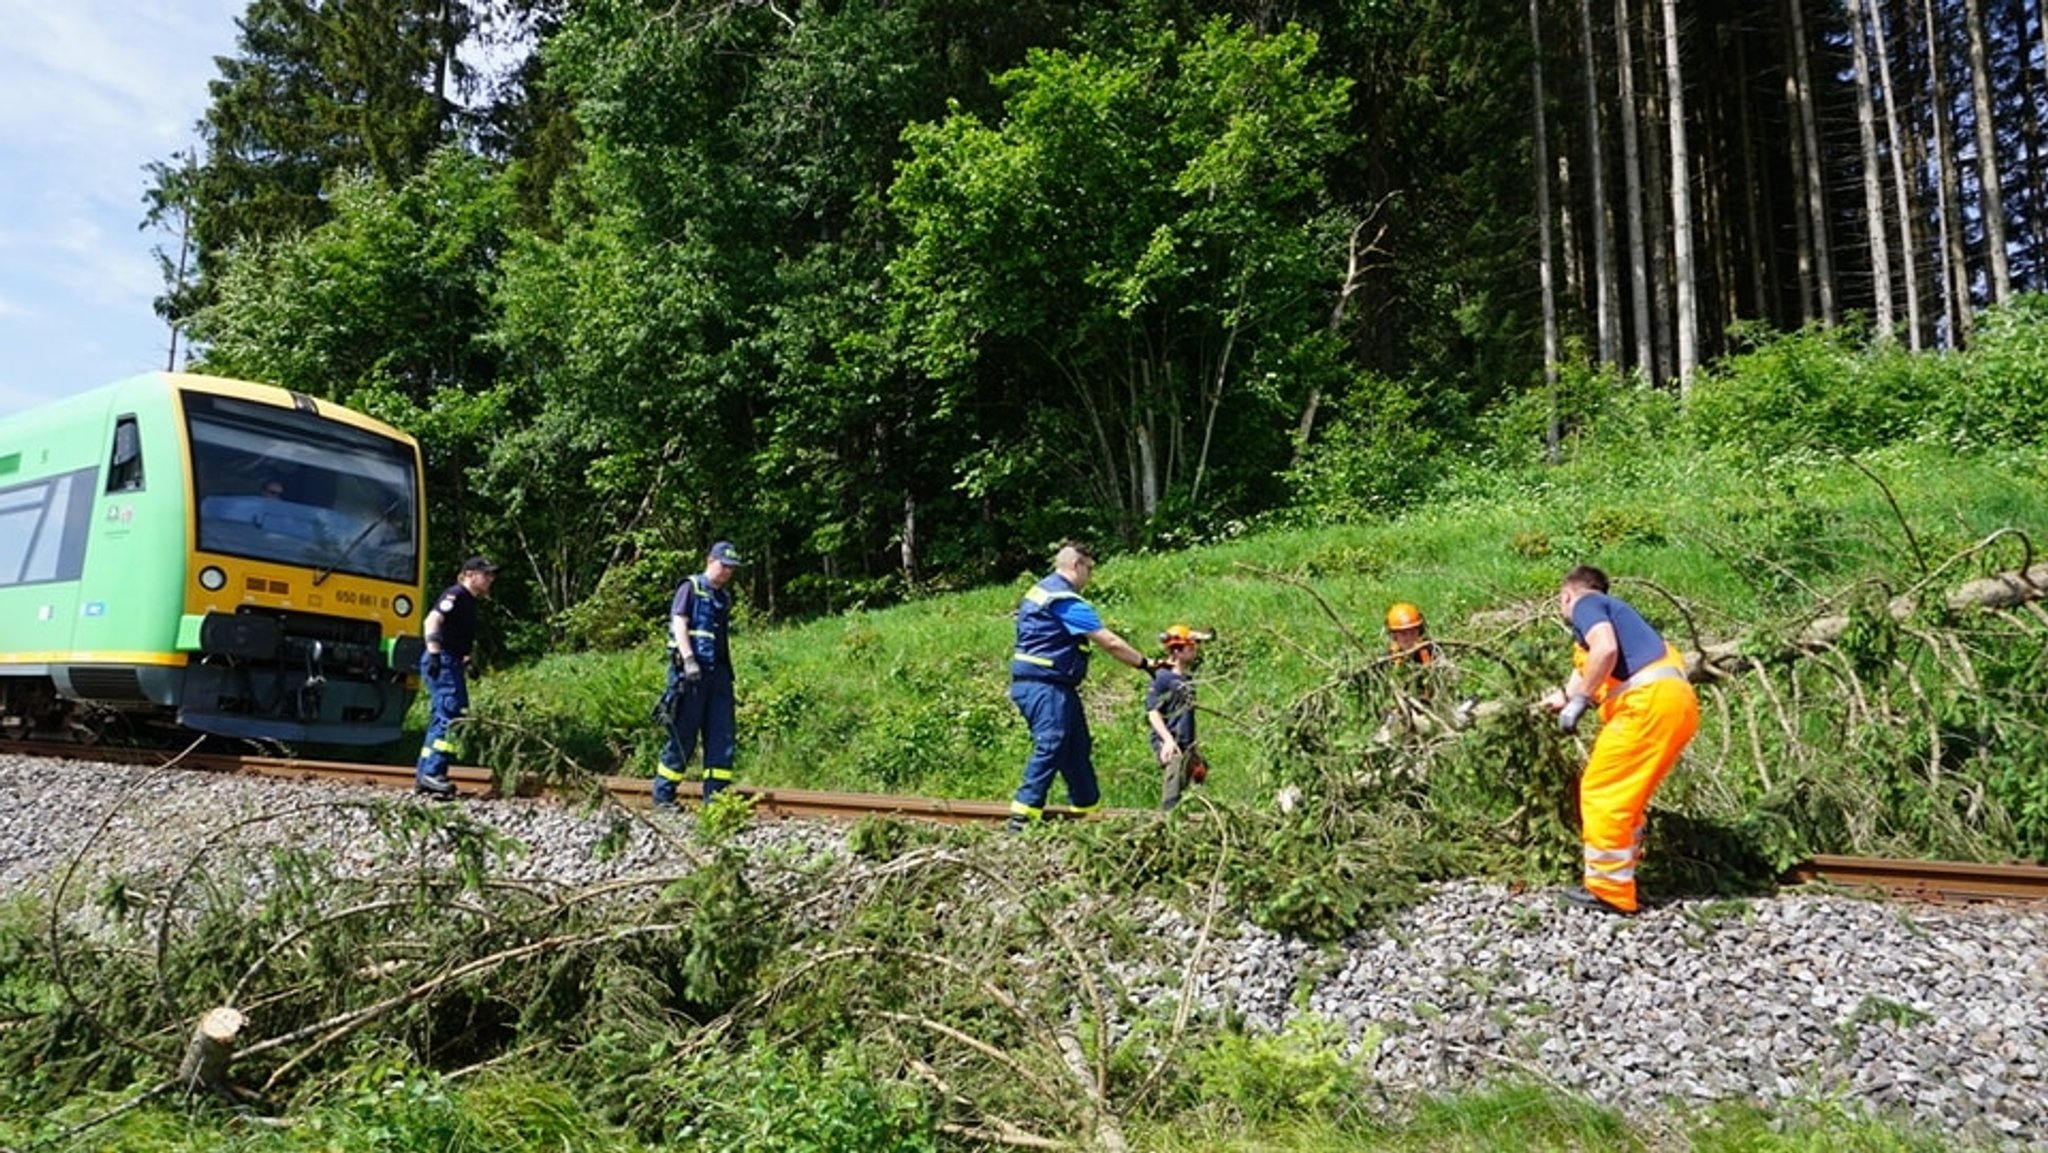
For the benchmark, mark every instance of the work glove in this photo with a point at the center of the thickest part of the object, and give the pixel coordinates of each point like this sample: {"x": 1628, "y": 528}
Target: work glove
{"x": 1568, "y": 720}
{"x": 433, "y": 666}
{"x": 692, "y": 671}
{"x": 1151, "y": 665}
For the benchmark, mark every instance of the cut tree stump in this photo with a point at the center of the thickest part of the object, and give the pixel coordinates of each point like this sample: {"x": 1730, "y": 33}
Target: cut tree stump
{"x": 211, "y": 1048}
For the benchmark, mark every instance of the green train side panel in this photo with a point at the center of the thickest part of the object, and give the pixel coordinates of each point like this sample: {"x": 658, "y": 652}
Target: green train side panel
{"x": 130, "y": 596}
{"x": 39, "y": 616}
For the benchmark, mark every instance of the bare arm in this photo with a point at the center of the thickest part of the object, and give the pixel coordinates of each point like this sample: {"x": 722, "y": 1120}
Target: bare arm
{"x": 1117, "y": 647}
{"x": 1157, "y": 720}
{"x": 1602, "y": 650}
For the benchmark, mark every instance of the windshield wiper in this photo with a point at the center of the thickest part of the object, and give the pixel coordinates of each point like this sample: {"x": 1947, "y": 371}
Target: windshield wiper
{"x": 380, "y": 519}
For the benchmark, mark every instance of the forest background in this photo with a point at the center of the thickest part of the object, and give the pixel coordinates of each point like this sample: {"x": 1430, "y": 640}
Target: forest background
{"x": 898, "y": 294}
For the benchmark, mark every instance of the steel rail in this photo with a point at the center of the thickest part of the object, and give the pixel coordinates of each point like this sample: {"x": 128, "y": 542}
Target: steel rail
{"x": 477, "y": 782}
{"x": 1939, "y": 881}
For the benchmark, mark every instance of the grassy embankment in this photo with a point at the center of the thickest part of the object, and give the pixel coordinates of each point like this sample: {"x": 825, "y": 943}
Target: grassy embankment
{"x": 912, "y": 698}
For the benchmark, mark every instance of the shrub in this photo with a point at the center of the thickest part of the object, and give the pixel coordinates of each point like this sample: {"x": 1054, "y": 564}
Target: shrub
{"x": 1301, "y": 1071}
{"x": 769, "y": 1099}
{"x": 1789, "y": 393}
{"x": 1997, "y": 397}
{"x": 1375, "y": 456}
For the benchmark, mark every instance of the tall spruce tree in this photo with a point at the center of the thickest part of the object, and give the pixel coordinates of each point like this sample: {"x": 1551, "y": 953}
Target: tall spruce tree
{"x": 315, "y": 88}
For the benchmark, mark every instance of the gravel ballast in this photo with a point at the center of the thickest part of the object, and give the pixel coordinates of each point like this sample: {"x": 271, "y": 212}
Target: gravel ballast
{"x": 1939, "y": 1013}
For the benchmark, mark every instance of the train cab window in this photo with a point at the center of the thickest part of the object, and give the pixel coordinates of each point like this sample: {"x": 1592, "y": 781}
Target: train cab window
{"x": 124, "y": 468}
{"x": 293, "y": 487}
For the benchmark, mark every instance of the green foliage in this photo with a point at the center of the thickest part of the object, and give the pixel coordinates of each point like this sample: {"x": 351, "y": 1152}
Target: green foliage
{"x": 1605, "y": 528}
{"x": 1820, "y": 1125}
{"x": 1321, "y": 874}
{"x": 310, "y": 96}
{"x": 390, "y": 1107}
{"x": 949, "y": 720}
{"x": 1813, "y": 390}
{"x": 1818, "y": 390}
{"x": 1308, "y": 1069}
{"x": 727, "y": 940}
{"x": 1537, "y": 1118}
{"x": 1376, "y": 455}
{"x": 1164, "y": 184}
{"x": 1993, "y": 396}
{"x": 728, "y": 814}
{"x": 779, "y": 1101}
{"x": 579, "y": 715}
{"x": 886, "y": 838}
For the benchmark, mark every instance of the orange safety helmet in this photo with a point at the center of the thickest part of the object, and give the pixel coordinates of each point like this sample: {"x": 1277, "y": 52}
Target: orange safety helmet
{"x": 1402, "y": 615}
{"x": 1183, "y": 637}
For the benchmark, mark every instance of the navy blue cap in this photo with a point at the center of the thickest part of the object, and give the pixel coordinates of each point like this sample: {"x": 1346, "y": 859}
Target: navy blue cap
{"x": 724, "y": 553}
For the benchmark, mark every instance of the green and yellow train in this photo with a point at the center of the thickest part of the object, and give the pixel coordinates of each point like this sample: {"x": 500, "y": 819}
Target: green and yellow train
{"x": 240, "y": 559}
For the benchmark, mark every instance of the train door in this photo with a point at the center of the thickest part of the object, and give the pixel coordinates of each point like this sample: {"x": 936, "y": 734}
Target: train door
{"x": 124, "y": 640}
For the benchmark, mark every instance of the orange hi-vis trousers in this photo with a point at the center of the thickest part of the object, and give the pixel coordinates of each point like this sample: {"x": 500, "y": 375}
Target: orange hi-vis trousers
{"x": 1644, "y": 725}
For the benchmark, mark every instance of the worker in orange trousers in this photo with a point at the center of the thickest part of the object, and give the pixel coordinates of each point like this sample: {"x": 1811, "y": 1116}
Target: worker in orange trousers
{"x": 1648, "y": 714}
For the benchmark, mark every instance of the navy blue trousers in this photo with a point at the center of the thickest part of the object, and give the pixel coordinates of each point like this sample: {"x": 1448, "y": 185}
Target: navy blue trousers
{"x": 448, "y": 699}
{"x": 1060, "y": 745}
{"x": 703, "y": 710}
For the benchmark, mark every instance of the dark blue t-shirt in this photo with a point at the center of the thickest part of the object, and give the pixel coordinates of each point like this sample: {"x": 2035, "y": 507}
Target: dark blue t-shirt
{"x": 1172, "y": 696}
{"x": 1639, "y": 643}
{"x": 457, "y": 607}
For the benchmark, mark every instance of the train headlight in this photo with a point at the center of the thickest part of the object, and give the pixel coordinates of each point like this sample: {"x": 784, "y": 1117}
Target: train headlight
{"x": 212, "y": 579}
{"x": 402, "y": 605}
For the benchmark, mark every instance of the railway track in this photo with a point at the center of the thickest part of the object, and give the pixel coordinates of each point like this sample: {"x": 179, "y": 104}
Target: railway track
{"x": 471, "y": 781}
{"x": 1944, "y": 881}
{"x": 1937, "y": 881}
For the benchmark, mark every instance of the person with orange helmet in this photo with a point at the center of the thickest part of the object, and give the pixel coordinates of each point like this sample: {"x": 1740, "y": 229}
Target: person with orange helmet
{"x": 1407, "y": 635}
{"x": 1409, "y": 647}
{"x": 1170, "y": 711}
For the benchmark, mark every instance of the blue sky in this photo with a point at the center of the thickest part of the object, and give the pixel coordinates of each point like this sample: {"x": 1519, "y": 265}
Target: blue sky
{"x": 90, "y": 91}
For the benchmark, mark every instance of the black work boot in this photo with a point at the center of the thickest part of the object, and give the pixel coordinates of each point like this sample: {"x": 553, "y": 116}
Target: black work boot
{"x": 439, "y": 788}
{"x": 1579, "y": 897}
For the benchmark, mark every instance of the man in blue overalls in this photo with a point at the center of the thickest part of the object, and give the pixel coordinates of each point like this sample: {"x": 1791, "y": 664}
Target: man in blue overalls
{"x": 450, "y": 630}
{"x": 700, "y": 677}
{"x": 1054, "y": 630}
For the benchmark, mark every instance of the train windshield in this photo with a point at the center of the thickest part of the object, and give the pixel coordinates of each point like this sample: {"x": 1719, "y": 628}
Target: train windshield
{"x": 293, "y": 487}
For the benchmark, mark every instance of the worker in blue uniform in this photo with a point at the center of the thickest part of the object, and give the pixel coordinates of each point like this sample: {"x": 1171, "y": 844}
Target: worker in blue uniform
{"x": 450, "y": 631}
{"x": 700, "y": 684}
{"x": 1055, "y": 630}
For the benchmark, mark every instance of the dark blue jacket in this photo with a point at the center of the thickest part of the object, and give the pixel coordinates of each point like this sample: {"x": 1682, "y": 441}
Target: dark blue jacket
{"x": 708, "y": 611}
{"x": 1046, "y": 651}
